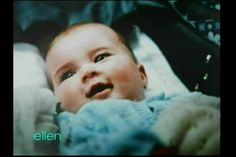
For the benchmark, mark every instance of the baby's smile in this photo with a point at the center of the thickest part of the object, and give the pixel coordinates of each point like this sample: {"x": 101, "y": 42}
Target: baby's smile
{"x": 99, "y": 90}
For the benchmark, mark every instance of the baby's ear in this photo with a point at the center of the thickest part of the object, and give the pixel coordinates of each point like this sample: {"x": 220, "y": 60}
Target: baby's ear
{"x": 143, "y": 75}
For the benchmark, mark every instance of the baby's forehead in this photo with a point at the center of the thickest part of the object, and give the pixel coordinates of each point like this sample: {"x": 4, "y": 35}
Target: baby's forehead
{"x": 94, "y": 27}
{"x": 87, "y": 35}
{"x": 82, "y": 33}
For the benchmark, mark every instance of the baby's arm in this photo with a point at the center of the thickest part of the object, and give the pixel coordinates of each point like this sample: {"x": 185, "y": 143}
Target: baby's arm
{"x": 191, "y": 123}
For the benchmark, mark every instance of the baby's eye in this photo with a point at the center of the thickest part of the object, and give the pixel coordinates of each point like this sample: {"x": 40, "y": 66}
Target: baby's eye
{"x": 101, "y": 57}
{"x": 66, "y": 75}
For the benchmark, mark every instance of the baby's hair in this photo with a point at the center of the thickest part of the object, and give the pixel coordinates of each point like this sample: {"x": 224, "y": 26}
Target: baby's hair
{"x": 74, "y": 26}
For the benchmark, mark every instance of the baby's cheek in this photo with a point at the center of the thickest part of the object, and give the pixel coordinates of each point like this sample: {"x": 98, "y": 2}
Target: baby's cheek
{"x": 65, "y": 96}
{"x": 121, "y": 72}
{"x": 124, "y": 74}
{"x": 72, "y": 97}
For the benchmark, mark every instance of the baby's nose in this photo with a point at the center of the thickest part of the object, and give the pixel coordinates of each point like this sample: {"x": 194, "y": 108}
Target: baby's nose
{"x": 88, "y": 73}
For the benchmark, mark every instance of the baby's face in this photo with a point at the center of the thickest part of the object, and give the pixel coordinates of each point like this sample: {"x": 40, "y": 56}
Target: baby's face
{"x": 91, "y": 63}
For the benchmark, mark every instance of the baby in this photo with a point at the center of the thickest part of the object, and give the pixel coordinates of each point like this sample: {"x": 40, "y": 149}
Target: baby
{"x": 91, "y": 61}
{"x": 101, "y": 87}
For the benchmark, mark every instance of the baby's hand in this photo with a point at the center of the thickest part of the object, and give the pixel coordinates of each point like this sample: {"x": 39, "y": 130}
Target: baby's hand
{"x": 192, "y": 124}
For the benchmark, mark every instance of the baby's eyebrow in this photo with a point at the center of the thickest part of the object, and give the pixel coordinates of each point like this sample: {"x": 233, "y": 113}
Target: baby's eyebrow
{"x": 61, "y": 68}
{"x": 91, "y": 52}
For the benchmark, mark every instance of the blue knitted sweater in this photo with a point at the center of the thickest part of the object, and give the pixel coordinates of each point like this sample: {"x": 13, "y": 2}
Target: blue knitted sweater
{"x": 112, "y": 127}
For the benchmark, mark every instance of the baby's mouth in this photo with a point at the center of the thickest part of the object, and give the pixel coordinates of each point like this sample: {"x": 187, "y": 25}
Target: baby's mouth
{"x": 97, "y": 88}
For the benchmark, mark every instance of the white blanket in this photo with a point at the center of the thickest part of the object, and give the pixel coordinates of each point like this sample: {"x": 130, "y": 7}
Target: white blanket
{"x": 33, "y": 112}
{"x": 34, "y": 102}
{"x": 192, "y": 125}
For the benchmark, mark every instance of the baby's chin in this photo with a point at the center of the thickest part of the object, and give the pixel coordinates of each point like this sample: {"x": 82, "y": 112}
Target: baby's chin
{"x": 127, "y": 96}
{"x": 75, "y": 109}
